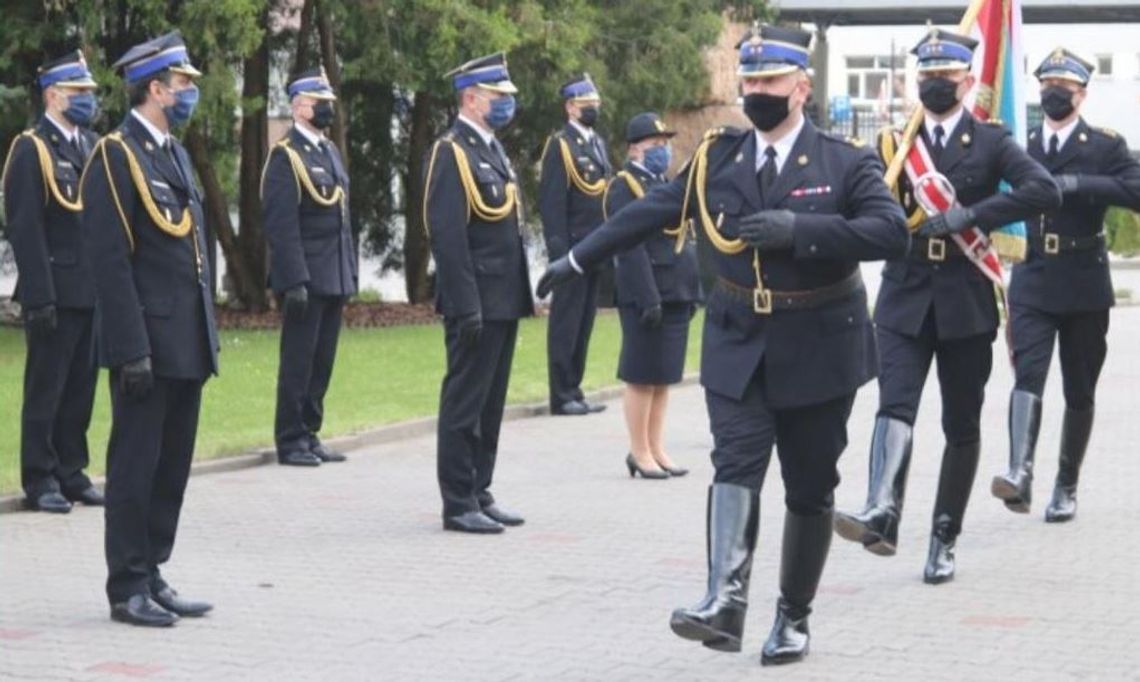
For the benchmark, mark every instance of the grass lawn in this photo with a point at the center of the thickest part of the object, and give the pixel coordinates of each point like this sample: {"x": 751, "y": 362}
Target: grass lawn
{"x": 382, "y": 376}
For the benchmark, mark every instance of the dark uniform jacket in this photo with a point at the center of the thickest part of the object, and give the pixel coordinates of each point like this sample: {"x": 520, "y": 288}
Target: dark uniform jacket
{"x": 844, "y": 215}
{"x": 976, "y": 158}
{"x": 480, "y": 259}
{"x": 1071, "y": 280}
{"x": 568, "y": 212}
{"x": 653, "y": 272}
{"x": 145, "y": 230}
{"x": 307, "y": 220}
{"x": 44, "y": 216}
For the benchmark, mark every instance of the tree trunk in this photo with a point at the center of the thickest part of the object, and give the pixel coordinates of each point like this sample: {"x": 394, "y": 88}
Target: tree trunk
{"x": 416, "y": 247}
{"x": 301, "y": 59}
{"x": 254, "y": 149}
{"x": 218, "y": 217}
{"x": 332, "y": 69}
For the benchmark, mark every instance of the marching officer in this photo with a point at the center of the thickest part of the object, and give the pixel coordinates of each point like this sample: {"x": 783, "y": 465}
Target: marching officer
{"x": 55, "y": 288}
{"x": 312, "y": 265}
{"x": 575, "y": 167}
{"x": 657, "y": 293}
{"x": 146, "y": 231}
{"x": 789, "y": 211}
{"x": 936, "y": 302}
{"x": 473, "y": 216}
{"x": 1063, "y": 291}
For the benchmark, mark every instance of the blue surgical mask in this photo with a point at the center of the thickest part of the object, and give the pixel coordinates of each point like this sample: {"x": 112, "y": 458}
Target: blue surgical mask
{"x": 183, "y": 108}
{"x": 81, "y": 108}
{"x": 657, "y": 158}
{"x": 502, "y": 112}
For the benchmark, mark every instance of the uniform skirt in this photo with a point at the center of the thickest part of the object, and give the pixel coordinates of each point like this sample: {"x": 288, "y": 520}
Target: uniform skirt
{"x": 654, "y": 356}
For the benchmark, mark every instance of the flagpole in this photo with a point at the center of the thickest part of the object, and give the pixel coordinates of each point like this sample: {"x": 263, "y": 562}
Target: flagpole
{"x": 892, "y": 175}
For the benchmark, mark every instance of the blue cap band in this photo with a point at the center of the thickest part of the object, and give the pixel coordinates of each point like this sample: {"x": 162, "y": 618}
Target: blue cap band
{"x": 491, "y": 75}
{"x": 74, "y": 71}
{"x": 944, "y": 50}
{"x": 757, "y": 55}
{"x": 303, "y": 85}
{"x": 156, "y": 63}
{"x": 581, "y": 88}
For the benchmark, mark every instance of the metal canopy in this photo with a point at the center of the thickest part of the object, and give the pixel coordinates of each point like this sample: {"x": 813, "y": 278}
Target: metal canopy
{"x": 879, "y": 13}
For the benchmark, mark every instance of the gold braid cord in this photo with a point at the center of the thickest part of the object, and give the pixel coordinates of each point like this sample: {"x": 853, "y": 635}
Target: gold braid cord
{"x": 47, "y": 168}
{"x": 302, "y": 175}
{"x": 634, "y": 186}
{"x": 164, "y": 222}
{"x": 887, "y": 149}
{"x": 475, "y": 203}
{"x": 589, "y": 189}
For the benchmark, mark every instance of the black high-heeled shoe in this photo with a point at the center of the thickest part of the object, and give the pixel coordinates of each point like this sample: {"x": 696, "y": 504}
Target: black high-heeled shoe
{"x": 634, "y": 469}
{"x": 674, "y": 471}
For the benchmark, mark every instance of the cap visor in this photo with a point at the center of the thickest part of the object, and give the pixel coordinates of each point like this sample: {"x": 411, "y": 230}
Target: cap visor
{"x": 326, "y": 95}
{"x": 504, "y": 87}
{"x": 186, "y": 70}
{"x": 767, "y": 71}
{"x": 1062, "y": 75}
{"x": 85, "y": 84}
{"x": 943, "y": 66}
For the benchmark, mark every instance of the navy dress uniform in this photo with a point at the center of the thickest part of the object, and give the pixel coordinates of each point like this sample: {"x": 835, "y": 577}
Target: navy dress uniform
{"x": 787, "y": 337}
{"x": 473, "y": 216}
{"x": 651, "y": 277}
{"x": 55, "y": 289}
{"x": 304, "y": 203}
{"x": 1063, "y": 291}
{"x": 146, "y": 232}
{"x": 935, "y": 303}
{"x": 575, "y": 168}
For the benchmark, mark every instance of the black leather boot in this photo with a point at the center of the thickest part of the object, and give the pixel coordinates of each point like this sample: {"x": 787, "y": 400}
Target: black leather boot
{"x": 1075, "y": 432}
{"x": 733, "y": 519}
{"x": 806, "y": 541}
{"x": 1015, "y": 487}
{"x": 877, "y": 526}
{"x": 959, "y": 464}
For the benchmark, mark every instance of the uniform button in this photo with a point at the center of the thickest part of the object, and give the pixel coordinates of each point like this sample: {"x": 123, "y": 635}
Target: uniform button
{"x": 812, "y": 248}
{"x": 850, "y": 320}
{"x": 936, "y": 266}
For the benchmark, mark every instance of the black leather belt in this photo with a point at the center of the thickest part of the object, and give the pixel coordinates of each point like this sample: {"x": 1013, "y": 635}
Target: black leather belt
{"x": 1051, "y": 243}
{"x": 934, "y": 249}
{"x": 764, "y": 301}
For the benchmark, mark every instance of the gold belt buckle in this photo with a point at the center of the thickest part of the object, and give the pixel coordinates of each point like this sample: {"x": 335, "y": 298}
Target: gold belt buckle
{"x": 762, "y": 301}
{"x": 1052, "y": 243}
{"x": 936, "y": 249}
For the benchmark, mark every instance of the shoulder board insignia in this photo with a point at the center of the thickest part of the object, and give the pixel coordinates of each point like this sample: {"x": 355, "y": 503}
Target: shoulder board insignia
{"x": 1033, "y": 135}
{"x": 994, "y": 122}
{"x": 1108, "y": 132}
{"x": 855, "y": 141}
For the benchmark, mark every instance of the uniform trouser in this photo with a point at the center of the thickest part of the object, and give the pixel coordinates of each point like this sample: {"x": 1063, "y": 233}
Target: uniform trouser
{"x": 963, "y": 369}
{"x": 59, "y": 389}
{"x": 808, "y": 441}
{"x": 148, "y": 462}
{"x": 1081, "y": 338}
{"x": 308, "y": 351}
{"x": 572, "y": 309}
{"x": 471, "y": 402}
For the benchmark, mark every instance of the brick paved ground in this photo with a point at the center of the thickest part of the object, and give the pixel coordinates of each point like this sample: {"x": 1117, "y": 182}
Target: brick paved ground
{"x": 343, "y": 573}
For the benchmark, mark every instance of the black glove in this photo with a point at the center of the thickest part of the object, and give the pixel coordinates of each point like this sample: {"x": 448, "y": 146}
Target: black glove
{"x": 42, "y": 319}
{"x": 558, "y": 272}
{"x": 470, "y": 328}
{"x": 296, "y": 300}
{"x": 769, "y": 230}
{"x": 1069, "y": 183}
{"x": 650, "y": 317}
{"x": 951, "y": 221}
{"x": 136, "y": 378}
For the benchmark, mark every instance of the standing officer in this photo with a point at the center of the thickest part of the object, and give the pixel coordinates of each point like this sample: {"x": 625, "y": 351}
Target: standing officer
{"x": 936, "y": 302}
{"x": 575, "y": 166}
{"x": 1064, "y": 290}
{"x": 146, "y": 232}
{"x": 657, "y": 293}
{"x": 789, "y": 211}
{"x": 312, "y": 265}
{"x": 41, "y": 197}
{"x": 473, "y": 218}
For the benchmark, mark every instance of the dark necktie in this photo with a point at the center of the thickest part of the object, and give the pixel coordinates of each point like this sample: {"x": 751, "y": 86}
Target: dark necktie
{"x": 501, "y": 153}
{"x": 936, "y": 148}
{"x": 767, "y": 174}
{"x": 597, "y": 145}
{"x": 1053, "y": 146}
{"x": 77, "y": 146}
{"x": 169, "y": 147}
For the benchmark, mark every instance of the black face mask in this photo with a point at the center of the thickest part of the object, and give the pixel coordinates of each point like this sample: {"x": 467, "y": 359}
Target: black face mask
{"x": 323, "y": 114}
{"x": 1057, "y": 102}
{"x": 588, "y": 116}
{"x": 766, "y": 111}
{"x": 938, "y": 94}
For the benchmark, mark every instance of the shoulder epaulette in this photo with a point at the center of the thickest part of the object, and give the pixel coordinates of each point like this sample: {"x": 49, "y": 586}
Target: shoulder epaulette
{"x": 993, "y": 122}
{"x": 1107, "y": 132}
{"x": 722, "y": 131}
{"x": 848, "y": 139}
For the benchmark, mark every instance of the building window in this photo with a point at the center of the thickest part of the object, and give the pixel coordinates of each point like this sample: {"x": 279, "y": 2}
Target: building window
{"x": 868, "y": 76}
{"x": 1104, "y": 65}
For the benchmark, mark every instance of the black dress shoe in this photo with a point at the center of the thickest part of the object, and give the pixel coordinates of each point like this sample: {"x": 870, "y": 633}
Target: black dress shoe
{"x": 326, "y": 455}
{"x": 472, "y": 522}
{"x": 503, "y": 516}
{"x": 571, "y": 407}
{"x": 168, "y": 599}
{"x": 140, "y": 610}
{"x": 635, "y": 468}
{"x": 594, "y": 407}
{"x": 90, "y": 497}
{"x": 52, "y": 502}
{"x": 298, "y": 458}
{"x": 676, "y": 472}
